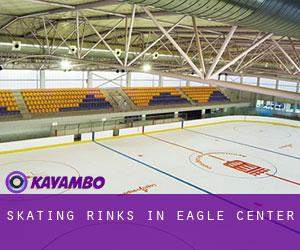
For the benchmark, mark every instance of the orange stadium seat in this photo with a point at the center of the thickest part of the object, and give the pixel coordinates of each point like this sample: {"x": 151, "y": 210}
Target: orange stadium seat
{"x": 64, "y": 100}
{"x": 8, "y": 105}
{"x": 151, "y": 96}
{"x": 204, "y": 94}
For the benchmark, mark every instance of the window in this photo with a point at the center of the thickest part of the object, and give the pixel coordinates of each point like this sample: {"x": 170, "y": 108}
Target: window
{"x": 249, "y": 80}
{"x": 109, "y": 79}
{"x": 236, "y": 79}
{"x": 288, "y": 86}
{"x": 19, "y": 79}
{"x": 267, "y": 83}
{"x": 61, "y": 79}
{"x": 195, "y": 84}
{"x": 144, "y": 80}
{"x": 173, "y": 82}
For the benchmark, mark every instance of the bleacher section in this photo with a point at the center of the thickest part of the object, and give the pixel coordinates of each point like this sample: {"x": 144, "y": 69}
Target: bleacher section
{"x": 64, "y": 100}
{"x": 39, "y": 101}
{"x": 152, "y": 96}
{"x": 8, "y": 105}
{"x": 204, "y": 94}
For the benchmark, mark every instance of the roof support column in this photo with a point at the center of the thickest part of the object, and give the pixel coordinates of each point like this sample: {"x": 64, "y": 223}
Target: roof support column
{"x": 160, "y": 81}
{"x": 128, "y": 79}
{"x": 42, "y": 79}
{"x": 89, "y": 79}
{"x": 277, "y": 84}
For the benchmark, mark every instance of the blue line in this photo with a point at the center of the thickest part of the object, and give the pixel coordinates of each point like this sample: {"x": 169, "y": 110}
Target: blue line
{"x": 192, "y": 185}
{"x": 243, "y": 144}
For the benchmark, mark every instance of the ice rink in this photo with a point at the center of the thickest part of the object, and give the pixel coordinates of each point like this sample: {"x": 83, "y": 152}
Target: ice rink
{"x": 229, "y": 158}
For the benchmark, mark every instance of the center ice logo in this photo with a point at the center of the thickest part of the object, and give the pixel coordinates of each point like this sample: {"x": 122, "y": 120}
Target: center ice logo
{"x": 17, "y": 182}
{"x": 233, "y": 164}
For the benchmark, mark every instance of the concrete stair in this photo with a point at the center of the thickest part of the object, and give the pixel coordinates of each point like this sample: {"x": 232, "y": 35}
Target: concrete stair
{"x": 186, "y": 97}
{"x": 119, "y": 99}
{"x": 107, "y": 94}
{"x": 21, "y": 104}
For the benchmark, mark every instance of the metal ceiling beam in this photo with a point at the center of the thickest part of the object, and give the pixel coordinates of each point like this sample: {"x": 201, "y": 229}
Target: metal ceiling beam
{"x": 294, "y": 48}
{"x": 100, "y": 40}
{"x": 266, "y": 37}
{"x": 110, "y": 16}
{"x": 51, "y": 3}
{"x": 106, "y": 44}
{"x": 78, "y": 7}
{"x": 199, "y": 47}
{"x": 274, "y": 16}
{"x": 242, "y": 38}
{"x": 280, "y": 62}
{"x": 154, "y": 43}
{"x": 221, "y": 51}
{"x": 286, "y": 54}
{"x": 128, "y": 41}
{"x": 8, "y": 23}
{"x": 257, "y": 57}
{"x": 244, "y": 57}
{"x": 170, "y": 38}
{"x": 7, "y": 15}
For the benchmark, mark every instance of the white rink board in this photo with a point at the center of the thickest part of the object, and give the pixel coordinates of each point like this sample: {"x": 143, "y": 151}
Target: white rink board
{"x": 130, "y": 131}
{"x": 103, "y": 134}
{"x": 159, "y": 127}
{"x": 86, "y": 137}
{"x": 16, "y": 145}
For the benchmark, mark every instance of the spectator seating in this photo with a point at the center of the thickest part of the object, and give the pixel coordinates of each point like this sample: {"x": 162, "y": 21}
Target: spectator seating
{"x": 152, "y": 96}
{"x": 64, "y": 100}
{"x": 83, "y": 99}
{"x": 204, "y": 94}
{"x": 8, "y": 105}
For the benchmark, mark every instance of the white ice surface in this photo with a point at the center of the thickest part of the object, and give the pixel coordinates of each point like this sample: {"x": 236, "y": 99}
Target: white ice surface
{"x": 172, "y": 168}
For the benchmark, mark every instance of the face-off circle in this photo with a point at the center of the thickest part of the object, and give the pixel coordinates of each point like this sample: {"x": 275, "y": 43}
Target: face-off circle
{"x": 235, "y": 165}
{"x": 263, "y": 131}
{"x": 16, "y": 182}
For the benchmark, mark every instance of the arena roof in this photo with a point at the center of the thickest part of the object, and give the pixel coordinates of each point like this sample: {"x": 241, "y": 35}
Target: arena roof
{"x": 101, "y": 34}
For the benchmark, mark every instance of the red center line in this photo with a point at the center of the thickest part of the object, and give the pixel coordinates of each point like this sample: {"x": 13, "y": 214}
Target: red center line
{"x": 283, "y": 179}
{"x": 178, "y": 145}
